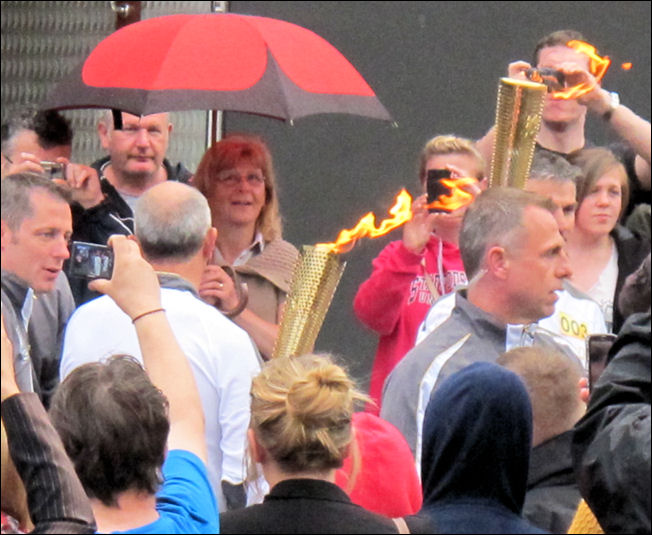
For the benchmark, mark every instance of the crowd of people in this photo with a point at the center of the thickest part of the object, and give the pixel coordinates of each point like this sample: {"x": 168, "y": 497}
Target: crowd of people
{"x": 166, "y": 412}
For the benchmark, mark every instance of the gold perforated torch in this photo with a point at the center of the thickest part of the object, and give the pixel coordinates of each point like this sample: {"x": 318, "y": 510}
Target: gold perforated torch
{"x": 314, "y": 281}
{"x": 518, "y": 119}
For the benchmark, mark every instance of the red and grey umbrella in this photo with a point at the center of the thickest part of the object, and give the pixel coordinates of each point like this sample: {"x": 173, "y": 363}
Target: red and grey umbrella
{"x": 217, "y": 62}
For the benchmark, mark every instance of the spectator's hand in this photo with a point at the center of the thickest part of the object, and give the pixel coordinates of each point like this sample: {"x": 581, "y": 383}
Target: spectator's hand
{"x": 8, "y": 378}
{"x": 575, "y": 74}
{"x": 134, "y": 285}
{"x": 416, "y": 232}
{"x": 517, "y": 69}
{"x": 25, "y": 162}
{"x": 597, "y": 99}
{"x": 456, "y": 172}
{"x": 218, "y": 289}
{"x": 83, "y": 182}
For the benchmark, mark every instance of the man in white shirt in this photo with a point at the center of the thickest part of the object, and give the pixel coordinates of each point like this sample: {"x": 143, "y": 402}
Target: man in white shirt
{"x": 172, "y": 223}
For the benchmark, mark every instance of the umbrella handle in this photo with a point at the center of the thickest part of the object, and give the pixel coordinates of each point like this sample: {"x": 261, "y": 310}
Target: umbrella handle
{"x": 117, "y": 119}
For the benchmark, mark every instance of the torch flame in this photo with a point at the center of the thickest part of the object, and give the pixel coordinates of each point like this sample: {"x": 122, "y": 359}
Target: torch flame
{"x": 626, "y": 66}
{"x": 401, "y": 212}
{"x": 457, "y": 198}
{"x": 597, "y": 67}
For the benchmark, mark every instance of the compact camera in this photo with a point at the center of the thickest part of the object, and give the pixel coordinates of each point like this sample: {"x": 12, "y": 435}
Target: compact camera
{"x": 555, "y": 80}
{"x": 54, "y": 169}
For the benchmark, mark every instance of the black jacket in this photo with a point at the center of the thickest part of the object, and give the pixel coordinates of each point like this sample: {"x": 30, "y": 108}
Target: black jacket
{"x": 310, "y": 506}
{"x": 632, "y": 250}
{"x": 611, "y": 443}
{"x": 552, "y": 495}
{"x": 111, "y": 216}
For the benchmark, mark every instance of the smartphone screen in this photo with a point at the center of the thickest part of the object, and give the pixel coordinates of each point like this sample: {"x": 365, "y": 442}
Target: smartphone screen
{"x": 435, "y": 188}
{"x": 597, "y": 350}
{"x": 90, "y": 261}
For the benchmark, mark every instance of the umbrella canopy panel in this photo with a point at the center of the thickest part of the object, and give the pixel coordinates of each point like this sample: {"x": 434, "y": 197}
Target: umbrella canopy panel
{"x": 218, "y": 61}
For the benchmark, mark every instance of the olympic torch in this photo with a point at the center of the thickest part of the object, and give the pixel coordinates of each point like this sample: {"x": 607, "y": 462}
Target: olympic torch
{"x": 314, "y": 281}
{"x": 518, "y": 119}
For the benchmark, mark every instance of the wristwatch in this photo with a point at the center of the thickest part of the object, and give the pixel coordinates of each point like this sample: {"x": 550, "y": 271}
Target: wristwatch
{"x": 614, "y": 102}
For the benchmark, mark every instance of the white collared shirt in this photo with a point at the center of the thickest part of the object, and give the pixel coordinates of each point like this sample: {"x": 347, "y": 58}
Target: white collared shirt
{"x": 254, "y": 249}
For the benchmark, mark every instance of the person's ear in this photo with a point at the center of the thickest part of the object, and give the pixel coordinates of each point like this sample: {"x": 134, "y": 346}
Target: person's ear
{"x": 258, "y": 453}
{"x": 6, "y": 234}
{"x": 105, "y": 135}
{"x": 6, "y": 164}
{"x": 497, "y": 262}
{"x": 209, "y": 243}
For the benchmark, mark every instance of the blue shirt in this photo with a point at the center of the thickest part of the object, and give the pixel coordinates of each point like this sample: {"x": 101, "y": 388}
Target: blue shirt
{"x": 185, "y": 502}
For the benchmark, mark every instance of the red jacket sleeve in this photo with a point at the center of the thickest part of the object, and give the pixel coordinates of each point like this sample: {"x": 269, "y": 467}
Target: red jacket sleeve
{"x": 378, "y": 301}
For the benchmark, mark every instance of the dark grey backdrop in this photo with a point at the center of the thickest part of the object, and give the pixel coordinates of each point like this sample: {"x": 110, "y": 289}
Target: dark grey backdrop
{"x": 435, "y": 66}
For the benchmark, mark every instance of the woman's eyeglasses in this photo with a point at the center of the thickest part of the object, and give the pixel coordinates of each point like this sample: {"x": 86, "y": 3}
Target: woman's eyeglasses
{"x": 232, "y": 178}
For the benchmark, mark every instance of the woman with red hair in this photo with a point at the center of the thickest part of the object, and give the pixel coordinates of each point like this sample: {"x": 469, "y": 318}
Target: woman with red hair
{"x": 236, "y": 175}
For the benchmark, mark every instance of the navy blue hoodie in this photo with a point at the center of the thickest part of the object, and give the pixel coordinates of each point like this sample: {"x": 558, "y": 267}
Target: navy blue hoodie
{"x": 477, "y": 435}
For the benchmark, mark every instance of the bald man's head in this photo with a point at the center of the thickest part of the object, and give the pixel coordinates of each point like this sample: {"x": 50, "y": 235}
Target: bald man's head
{"x": 171, "y": 221}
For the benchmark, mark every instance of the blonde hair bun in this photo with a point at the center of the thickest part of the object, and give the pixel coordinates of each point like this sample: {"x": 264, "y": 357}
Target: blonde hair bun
{"x": 321, "y": 398}
{"x": 301, "y": 410}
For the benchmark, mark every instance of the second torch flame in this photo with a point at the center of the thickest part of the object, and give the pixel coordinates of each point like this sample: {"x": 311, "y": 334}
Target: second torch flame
{"x": 401, "y": 212}
{"x": 597, "y": 67}
{"x": 457, "y": 198}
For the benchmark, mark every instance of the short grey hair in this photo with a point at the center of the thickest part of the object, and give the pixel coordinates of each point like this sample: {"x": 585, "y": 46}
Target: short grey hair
{"x": 106, "y": 117}
{"x": 171, "y": 226}
{"x": 16, "y": 196}
{"x": 547, "y": 165}
{"x": 494, "y": 219}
